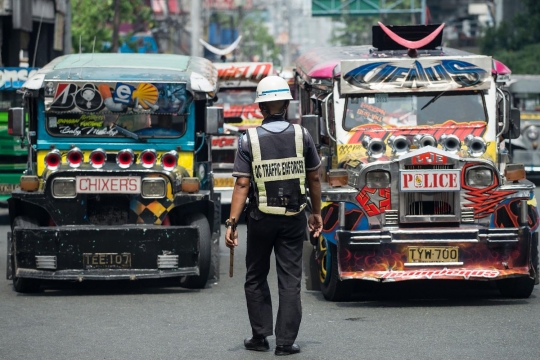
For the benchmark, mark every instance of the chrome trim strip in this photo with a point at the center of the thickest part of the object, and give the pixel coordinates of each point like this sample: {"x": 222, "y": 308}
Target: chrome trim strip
{"x": 434, "y": 264}
{"x": 366, "y": 243}
{"x": 502, "y": 241}
{"x": 367, "y": 237}
{"x": 46, "y": 262}
{"x": 429, "y": 242}
{"x": 167, "y": 261}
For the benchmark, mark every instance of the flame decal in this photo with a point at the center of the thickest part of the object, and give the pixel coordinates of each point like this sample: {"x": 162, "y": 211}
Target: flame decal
{"x": 461, "y": 130}
{"x": 483, "y": 200}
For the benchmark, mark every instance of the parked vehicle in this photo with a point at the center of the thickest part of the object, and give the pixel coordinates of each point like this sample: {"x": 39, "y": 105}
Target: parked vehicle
{"x": 119, "y": 185}
{"x": 237, "y": 85}
{"x": 416, "y": 179}
{"x": 13, "y": 155}
{"x": 525, "y": 90}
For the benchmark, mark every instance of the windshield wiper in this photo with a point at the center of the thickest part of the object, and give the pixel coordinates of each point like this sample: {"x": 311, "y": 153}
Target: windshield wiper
{"x": 127, "y": 133}
{"x": 433, "y": 100}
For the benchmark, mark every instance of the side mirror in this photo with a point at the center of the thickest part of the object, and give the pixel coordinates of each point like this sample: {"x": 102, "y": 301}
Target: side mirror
{"x": 293, "y": 111}
{"x": 514, "y": 129}
{"x": 214, "y": 120}
{"x": 16, "y": 121}
{"x": 312, "y": 125}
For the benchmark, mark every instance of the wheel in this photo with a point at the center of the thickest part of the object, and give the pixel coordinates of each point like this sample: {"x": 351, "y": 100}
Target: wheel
{"x": 311, "y": 269}
{"x": 332, "y": 287}
{"x": 23, "y": 285}
{"x": 517, "y": 288}
{"x": 534, "y": 258}
{"x": 522, "y": 287}
{"x": 205, "y": 253}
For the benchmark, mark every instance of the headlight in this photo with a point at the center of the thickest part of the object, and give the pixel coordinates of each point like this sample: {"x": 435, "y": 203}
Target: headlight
{"x": 479, "y": 177}
{"x": 532, "y": 133}
{"x": 378, "y": 179}
{"x": 64, "y": 188}
{"x": 202, "y": 171}
{"x": 153, "y": 188}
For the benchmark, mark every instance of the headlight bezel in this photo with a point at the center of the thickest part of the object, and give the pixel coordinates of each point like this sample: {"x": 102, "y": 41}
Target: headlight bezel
{"x": 153, "y": 182}
{"x": 378, "y": 183}
{"x": 532, "y": 130}
{"x": 477, "y": 183}
{"x": 70, "y": 181}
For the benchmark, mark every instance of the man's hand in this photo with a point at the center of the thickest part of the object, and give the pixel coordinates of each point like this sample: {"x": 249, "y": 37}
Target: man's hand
{"x": 231, "y": 240}
{"x": 315, "y": 224}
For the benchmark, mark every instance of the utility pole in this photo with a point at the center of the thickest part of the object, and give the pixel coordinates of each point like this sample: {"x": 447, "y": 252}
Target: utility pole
{"x": 116, "y": 26}
{"x": 195, "y": 27}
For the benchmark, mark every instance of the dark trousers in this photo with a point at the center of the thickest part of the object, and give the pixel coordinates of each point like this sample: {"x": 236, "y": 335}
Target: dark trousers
{"x": 285, "y": 235}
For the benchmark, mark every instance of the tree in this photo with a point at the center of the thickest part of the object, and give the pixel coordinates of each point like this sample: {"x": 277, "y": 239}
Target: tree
{"x": 94, "y": 19}
{"x": 516, "y": 42}
{"x": 356, "y": 30}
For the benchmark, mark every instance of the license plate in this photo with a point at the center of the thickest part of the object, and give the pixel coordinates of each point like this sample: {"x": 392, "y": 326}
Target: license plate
{"x": 108, "y": 184}
{"x": 7, "y": 188}
{"x": 424, "y": 180}
{"x": 224, "y": 182}
{"x": 107, "y": 261}
{"x": 421, "y": 254}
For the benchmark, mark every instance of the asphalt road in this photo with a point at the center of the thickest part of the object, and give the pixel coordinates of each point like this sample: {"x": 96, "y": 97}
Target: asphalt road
{"x": 149, "y": 320}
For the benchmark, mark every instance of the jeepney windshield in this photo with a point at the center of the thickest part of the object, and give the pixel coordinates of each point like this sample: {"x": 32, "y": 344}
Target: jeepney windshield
{"x": 414, "y": 109}
{"x": 103, "y": 125}
{"x": 236, "y": 97}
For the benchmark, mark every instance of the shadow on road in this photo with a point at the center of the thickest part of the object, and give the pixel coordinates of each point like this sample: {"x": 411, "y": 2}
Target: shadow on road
{"x": 116, "y": 287}
{"x": 424, "y": 294}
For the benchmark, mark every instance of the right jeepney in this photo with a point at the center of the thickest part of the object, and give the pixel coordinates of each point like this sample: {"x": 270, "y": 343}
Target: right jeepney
{"x": 416, "y": 182}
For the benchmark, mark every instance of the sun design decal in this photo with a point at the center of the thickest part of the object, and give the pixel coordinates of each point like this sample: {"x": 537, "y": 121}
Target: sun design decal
{"x": 374, "y": 201}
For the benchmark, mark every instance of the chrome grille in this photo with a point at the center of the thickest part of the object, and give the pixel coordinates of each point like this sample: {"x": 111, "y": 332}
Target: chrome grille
{"x": 428, "y": 167}
{"x": 425, "y": 203}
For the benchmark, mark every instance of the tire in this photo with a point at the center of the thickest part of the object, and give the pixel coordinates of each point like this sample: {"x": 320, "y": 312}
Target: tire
{"x": 333, "y": 289}
{"x": 311, "y": 270}
{"x": 205, "y": 253}
{"x": 23, "y": 285}
{"x": 522, "y": 287}
{"x": 534, "y": 258}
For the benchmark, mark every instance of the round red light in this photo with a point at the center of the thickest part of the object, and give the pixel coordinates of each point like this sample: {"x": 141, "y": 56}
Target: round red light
{"x": 148, "y": 158}
{"x": 97, "y": 158}
{"x": 53, "y": 160}
{"x": 168, "y": 160}
{"x": 124, "y": 159}
{"x": 75, "y": 157}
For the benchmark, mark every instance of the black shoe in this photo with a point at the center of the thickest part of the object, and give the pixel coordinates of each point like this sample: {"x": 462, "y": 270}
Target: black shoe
{"x": 287, "y": 349}
{"x": 256, "y": 344}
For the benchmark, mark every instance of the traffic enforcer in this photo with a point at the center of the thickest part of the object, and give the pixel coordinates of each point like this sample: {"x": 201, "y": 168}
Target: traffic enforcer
{"x": 119, "y": 182}
{"x": 417, "y": 182}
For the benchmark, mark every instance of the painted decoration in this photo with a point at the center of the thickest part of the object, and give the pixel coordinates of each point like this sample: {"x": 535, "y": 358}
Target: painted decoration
{"x": 12, "y": 78}
{"x": 120, "y": 97}
{"x": 405, "y": 75}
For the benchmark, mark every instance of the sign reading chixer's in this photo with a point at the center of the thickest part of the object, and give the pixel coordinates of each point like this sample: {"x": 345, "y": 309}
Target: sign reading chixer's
{"x": 266, "y": 171}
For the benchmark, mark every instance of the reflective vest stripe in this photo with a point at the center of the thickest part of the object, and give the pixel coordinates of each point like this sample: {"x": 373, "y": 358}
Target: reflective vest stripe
{"x": 277, "y": 169}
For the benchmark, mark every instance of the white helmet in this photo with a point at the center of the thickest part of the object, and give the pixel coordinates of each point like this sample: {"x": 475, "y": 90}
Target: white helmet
{"x": 272, "y": 88}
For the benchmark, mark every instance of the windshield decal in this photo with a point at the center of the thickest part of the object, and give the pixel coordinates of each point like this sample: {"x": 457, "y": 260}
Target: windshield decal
{"x": 155, "y": 98}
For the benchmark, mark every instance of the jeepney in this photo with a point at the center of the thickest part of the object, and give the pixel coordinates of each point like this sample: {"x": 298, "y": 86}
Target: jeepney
{"x": 416, "y": 178}
{"x": 118, "y": 184}
{"x": 237, "y": 86}
{"x": 12, "y": 155}
{"x": 525, "y": 90}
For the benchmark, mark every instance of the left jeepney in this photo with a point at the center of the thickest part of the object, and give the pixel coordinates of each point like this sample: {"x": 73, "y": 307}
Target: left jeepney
{"x": 118, "y": 184}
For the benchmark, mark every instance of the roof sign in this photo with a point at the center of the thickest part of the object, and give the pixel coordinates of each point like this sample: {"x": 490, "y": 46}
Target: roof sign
{"x": 253, "y": 72}
{"x": 404, "y": 75}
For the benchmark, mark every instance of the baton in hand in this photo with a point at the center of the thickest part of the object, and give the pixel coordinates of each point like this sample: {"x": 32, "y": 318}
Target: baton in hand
{"x": 231, "y": 258}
